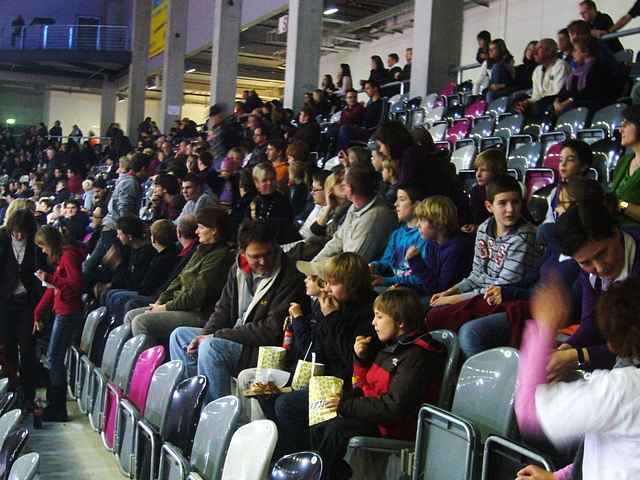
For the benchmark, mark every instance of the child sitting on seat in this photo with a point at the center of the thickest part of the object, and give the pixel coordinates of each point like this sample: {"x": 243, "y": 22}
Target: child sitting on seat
{"x": 389, "y": 386}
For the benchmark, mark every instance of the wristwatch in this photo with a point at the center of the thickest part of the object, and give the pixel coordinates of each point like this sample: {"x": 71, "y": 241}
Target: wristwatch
{"x": 581, "y": 361}
{"x": 622, "y": 206}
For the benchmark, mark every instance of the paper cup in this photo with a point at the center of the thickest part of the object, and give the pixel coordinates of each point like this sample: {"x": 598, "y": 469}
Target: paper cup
{"x": 304, "y": 372}
{"x": 271, "y": 357}
{"x": 320, "y": 390}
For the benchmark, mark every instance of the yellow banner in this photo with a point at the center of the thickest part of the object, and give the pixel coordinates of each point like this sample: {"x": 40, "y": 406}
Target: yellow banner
{"x": 158, "y": 27}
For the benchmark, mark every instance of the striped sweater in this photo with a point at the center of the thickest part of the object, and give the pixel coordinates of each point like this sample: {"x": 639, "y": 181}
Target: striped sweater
{"x": 500, "y": 260}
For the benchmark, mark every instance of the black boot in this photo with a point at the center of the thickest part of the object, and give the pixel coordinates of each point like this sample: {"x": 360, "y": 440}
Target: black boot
{"x": 56, "y": 410}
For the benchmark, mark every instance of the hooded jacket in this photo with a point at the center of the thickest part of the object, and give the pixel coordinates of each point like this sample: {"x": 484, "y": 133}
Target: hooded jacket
{"x": 66, "y": 296}
{"x": 390, "y": 390}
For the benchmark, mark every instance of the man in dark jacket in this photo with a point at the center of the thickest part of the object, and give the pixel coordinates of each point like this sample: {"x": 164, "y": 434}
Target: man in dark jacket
{"x": 249, "y": 314}
{"x": 309, "y": 131}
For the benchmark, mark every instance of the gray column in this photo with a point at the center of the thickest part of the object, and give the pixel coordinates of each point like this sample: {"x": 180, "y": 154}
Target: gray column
{"x": 173, "y": 64}
{"x": 303, "y": 50}
{"x": 46, "y": 103}
{"x": 437, "y": 43}
{"x": 224, "y": 55}
{"x": 140, "y": 25}
{"x": 107, "y": 106}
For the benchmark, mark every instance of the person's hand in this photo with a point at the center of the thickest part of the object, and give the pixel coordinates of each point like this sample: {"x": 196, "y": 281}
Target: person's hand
{"x": 41, "y": 274}
{"x": 560, "y": 362}
{"x": 377, "y": 280}
{"x": 372, "y": 268}
{"x": 295, "y": 310}
{"x": 157, "y": 308}
{"x": 469, "y": 228}
{"x": 550, "y": 305}
{"x": 446, "y": 300}
{"x": 361, "y": 345}
{"x": 331, "y": 404}
{"x": 192, "y": 348}
{"x": 437, "y": 296}
{"x": 328, "y": 304}
{"x": 493, "y": 295}
{"x": 224, "y": 174}
{"x": 253, "y": 210}
{"x": 557, "y": 106}
{"x": 412, "y": 251}
{"x": 532, "y": 472}
{"x": 38, "y": 326}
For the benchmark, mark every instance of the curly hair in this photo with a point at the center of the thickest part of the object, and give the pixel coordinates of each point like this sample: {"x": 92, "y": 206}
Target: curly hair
{"x": 618, "y": 320}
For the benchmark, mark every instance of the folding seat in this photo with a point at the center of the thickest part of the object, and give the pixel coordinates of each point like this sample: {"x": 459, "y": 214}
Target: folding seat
{"x": 250, "y": 451}
{"x": 100, "y": 376}
{"x": 624, "y": 56}
{"x": 414, "y": 102}
{"x": 537, "y": 126}
{"x": 434, "y": 115}
{"x": 449, "y": 89}
{"x": 537, "y": 178}
{"x": 4, "y": 386}
{"x": 77, "y": 371}
{"x": 7, "y": 401}
{"x": 476, "y": 109}
{"x": 119, "y": 385}
{"x": 11, "y": 448}
{"x": 298, "y": 466}
{"x": 482, "y": 128}
{"x": 459, "y": 129}
{"x": 503, "y": 458}
{"x": 509, "y": 124}
{"x": 136, "y": 398}
{"x": 524, "y": 157}
{"x": 498, "y": 106}
{"x": 573, "y": 121}
{"x": 178, "y": 428}
{"x": 417, "y": 117}
{"x": 447, "y": 444}
{"x": 438, "y": 131}
{"x": 604, "y": 124}
{"x": 463, "y": 157}
{"x": 25, "y": 467}
{"x": 492, "y": 142}
{"x": 551, "y": 155}
{"x": 430, "y": 101}
{"x": 450, "y": 340}
{"x": 218, "y": 421}
{"x": 443, "y": 146}
{"x": 606, "y": 154}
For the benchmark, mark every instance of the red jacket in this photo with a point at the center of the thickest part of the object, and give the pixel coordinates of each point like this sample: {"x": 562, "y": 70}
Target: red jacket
{"x": 390, "y": 390}
{"x": 66, "y": 297}
{"x": 353, "y": 115}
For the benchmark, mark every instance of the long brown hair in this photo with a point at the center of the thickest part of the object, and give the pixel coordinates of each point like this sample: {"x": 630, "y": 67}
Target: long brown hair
{"x": 51, "y": 237}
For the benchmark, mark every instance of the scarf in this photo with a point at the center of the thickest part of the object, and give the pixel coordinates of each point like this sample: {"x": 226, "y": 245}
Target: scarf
{"x": 579, "y": 75}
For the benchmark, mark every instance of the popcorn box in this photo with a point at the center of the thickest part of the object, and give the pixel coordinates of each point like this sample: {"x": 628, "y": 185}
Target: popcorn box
{"x": 322, "y": 389}
{"x": 271, "y": 357}
{"x": 304, "y": 371}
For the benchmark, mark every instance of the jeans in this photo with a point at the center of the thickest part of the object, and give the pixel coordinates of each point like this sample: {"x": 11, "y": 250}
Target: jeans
{"x": 290, "y": 412}
{"x": 59, "y": 342}
{"x": 217, "y": 359}
{"x": 90, "y": 265}
{"x": 116, "y": 299}
{"x": 484, "y": 333}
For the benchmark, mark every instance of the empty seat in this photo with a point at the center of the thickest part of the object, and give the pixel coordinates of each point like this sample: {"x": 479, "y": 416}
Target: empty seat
{"x": 537, "y": 178}
{"x": 498, "y": 106}
{"x": 573, "y": 121}
{"x": 503, "y": 458}
{"x": 552, "y": 157}
{"x": 463, "y": 157}
{"x": 11, "y": 448}
{"x": 25, "y": 467}
{"x": 438, "y": 131}
{"x": 96, "y": 390}
{"x": 434, "y": 115}
{"x": 136, "y": 398}
{"x": 476, "y": 109}
{"x": 450, "y": 374}
{"x": 78, "y": 371}
{"x": 417, "y": 117}
{"x": 508, "y": 124}
{"x": 449, "y": 89}
{"x": 609, "y": 118}
{"x": 4, "y": 386}
{"x": 458, "y": 130}
{"x": 298, "y": 466}
{"x": 217, "y": 423}
{"x": 537, "y": 126}
{"x": 7, "y": 401}
{"x": 524, "y": 157}
{"x": 492, "y": 142}
{"x": 119, "y": 385}
{"x": 606, "y": 154}
{"x": 430, "y": 101}
{"x": 482, "y": 128}
{"x": 178, "y": 428}
{"x": 250, "y": 451}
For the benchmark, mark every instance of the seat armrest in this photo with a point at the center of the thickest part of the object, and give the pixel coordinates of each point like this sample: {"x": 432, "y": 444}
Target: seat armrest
{"x": 380, "y": 444}
{"x": 172, "y": 453}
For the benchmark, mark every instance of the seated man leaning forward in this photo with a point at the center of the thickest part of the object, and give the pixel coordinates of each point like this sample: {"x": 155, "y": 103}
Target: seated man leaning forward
{"x": 249, "y": 314}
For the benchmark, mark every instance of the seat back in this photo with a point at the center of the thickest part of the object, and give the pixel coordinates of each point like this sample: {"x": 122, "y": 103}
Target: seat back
{"x": 418, "y": 117}
{"x": 438, "y": 131}
{"x": 117, "y": 338}
{"x": 218, "y": 421}
{"x": 609, "y": 118}
{"x": 4, "y": 385}
{"x": 552, "y": 157}
{"x": 509, "y": 124}
{"x": 91, "y": 323}
{"x": 525, "y": 156}
{"x": 450, "y": 374}
{"x": 498, "y": 106}
{"x": 298, "y": 466}
{"x": 488, "y": 378}
{"x": 163, "y": 383}
{"x": 434, "y": 115}
{"x": 445, "y": 446}
{"x": 11, "y": 448}
{"x": 147, "y": 363}
{"x": 463, "y": 157}
{"x": 184, "y": 409}
{"x": 7, "y": 401}
{"x": 9, "y": 422}
{"x": 606, "y": 154}
{"x": 537, "y": 126}
{"x": 572, "y": 121}
{"x": 502, "y": 459}
{"x": 449, "y": 89}
{"x": 430, "y": 101}
{"x": 250, "y": 451}
{"x": 476, "y": 109}
{"x": 131, "y": 350}
{"x": 482, "y": 128}
{"x": 458, "y": 130}
{"x": 25, "y": 467}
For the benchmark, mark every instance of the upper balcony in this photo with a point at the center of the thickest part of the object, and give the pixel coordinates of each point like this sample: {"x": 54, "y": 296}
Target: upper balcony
{"x": 69, "y": 50}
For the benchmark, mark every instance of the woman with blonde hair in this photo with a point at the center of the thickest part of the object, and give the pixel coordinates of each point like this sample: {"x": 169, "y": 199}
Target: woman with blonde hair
{"x": 62, "y": 297}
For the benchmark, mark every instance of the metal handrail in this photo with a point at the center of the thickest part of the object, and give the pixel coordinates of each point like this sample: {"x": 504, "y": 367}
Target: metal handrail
{"x": 65, "y": 37}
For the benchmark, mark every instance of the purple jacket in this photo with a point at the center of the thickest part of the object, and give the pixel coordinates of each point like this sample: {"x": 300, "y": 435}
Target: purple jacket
{"x": 588, "y": 334}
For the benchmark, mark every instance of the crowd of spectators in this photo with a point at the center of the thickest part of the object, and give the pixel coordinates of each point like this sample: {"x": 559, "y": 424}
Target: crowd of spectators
{"x": 217, "y": 240}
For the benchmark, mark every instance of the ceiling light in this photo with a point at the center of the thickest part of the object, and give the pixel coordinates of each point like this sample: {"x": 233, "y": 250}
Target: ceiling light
{"x": 330, "y": 9}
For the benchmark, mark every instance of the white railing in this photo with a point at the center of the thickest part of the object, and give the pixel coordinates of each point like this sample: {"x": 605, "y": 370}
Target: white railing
{"x": 65, "y": 37}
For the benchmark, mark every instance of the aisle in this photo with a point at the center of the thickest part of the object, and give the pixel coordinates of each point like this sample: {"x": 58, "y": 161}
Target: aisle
{"x": 72, "y": 451}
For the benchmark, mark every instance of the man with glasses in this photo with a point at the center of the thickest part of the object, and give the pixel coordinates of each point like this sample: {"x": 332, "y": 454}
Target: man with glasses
{"x": 259, "y": 153}
{"x": 249, "y": 314}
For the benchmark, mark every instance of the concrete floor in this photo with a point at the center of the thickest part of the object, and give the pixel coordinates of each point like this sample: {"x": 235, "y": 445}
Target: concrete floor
{"x": 72, "y": 451}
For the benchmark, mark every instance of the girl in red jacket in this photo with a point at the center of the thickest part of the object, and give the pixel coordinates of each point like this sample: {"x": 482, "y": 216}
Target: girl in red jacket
{"x": 63, "y": 297}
